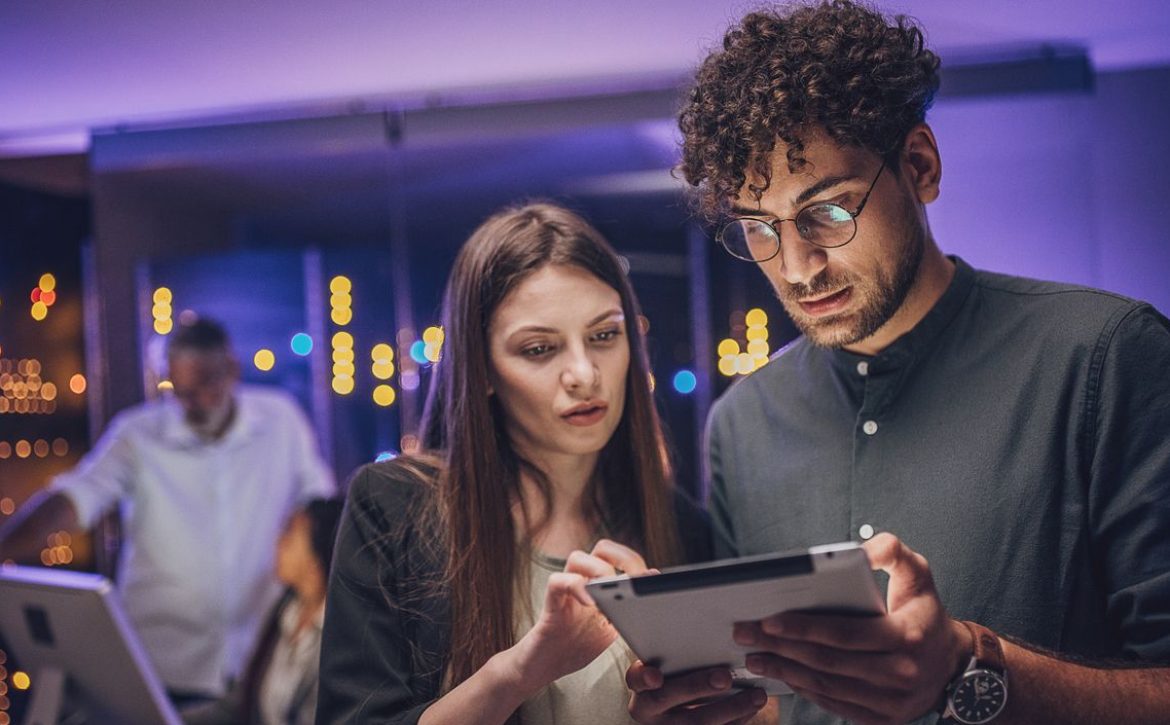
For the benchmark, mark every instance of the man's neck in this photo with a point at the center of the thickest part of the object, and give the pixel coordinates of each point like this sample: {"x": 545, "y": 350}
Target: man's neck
{"x": 935, "y": 273}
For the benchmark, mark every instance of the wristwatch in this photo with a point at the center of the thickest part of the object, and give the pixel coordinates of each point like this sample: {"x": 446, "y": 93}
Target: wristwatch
{"x": 979, "y": 693}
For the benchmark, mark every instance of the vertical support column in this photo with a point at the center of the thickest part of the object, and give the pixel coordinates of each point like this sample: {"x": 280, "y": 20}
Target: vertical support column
{"x": 700, "y": 301}
{"x": 320, "y": 401}
{"x": 400, "y": 268}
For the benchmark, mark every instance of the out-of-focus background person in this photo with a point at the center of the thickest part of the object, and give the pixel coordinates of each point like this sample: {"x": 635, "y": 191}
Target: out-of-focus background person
{"x": 204, "y": 480}
{"x": 279, "y": 683}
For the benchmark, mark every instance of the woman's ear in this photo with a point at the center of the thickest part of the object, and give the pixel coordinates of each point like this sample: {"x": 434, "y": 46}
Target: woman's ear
{"x": 921, "y": 162}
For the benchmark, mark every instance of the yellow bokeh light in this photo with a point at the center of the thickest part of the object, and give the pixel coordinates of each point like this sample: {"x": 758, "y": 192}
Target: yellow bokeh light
{"x": 77, "y": 384}
{"x": 163, "y": 294}
{"x": 340, "y": 283}
{"x": 342, "y": 340}
{"x": 161, "y": 311}
{"x": 433, "y": 352}
{"x": 744, "y": 363}
{"x": 344, "y": 368}
{"x": 433, "y": 336}
{"x": 756, "y": 348}
{"x": 382, "y": 353}
{"x": 20, "y": 680}
{"x": 48, "y": 391}
{"x": 382, "y": 370}
{"x": 39, "y": 311}
{"x": 343, "y": 384}
{"x": 165, "y": 385}
{"x": 264, "y": 359}
{"x": 340, "y": 299}
{"x": 23, "y": 449}
{"x": 384, "y": 395}
{"x": 757, "y": 333}
{"x": 47, "y": 283}
{"x": 163, "y": 327}
{"x": 727, "y": 346}
{"x": 341, "y": 315}
{"x": 756, "y": 317}
{"x": 727, "y": 365}
{"x": 343, "y": 354}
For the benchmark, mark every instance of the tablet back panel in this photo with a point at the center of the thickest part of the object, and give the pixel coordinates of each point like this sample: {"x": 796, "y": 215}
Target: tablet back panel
{"x": 72, "y": 622}
{"x": 682, "y": 619}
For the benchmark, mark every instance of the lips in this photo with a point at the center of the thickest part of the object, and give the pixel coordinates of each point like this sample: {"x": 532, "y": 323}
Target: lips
{"x": 585, "y": 413}
{"x": 828, "y": 304}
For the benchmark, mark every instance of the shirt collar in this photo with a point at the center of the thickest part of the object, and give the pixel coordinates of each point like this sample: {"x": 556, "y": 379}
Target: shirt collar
{"x": 922, "y": 337}
{"x": 176, "y": 431}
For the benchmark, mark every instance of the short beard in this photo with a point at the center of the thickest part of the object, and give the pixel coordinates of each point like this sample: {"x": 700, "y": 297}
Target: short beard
{"x": 887, "y": 298}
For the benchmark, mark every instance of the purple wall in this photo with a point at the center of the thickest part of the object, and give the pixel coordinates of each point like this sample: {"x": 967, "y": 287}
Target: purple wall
{"x": 1066, "y": 187}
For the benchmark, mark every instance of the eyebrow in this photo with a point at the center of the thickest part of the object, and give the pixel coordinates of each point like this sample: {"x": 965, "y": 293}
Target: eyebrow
{"x": 615, "y": 313}
{"x": 817, "y": 188}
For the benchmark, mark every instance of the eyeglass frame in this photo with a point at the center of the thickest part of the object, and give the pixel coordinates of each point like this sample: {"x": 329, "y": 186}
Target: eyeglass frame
{"x": 776, "y": 232}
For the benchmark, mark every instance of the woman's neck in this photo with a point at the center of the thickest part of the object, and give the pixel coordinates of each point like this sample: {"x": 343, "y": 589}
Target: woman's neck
{"x": 568, "y": 518}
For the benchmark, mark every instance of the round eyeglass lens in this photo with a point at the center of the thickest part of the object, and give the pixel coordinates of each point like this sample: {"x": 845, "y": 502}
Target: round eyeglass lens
{"x": 826, "y": 225}
{"x": 750, "y": 239}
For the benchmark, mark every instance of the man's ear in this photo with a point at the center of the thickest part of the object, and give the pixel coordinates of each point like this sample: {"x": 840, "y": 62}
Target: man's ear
{"x": 921, "y": 162}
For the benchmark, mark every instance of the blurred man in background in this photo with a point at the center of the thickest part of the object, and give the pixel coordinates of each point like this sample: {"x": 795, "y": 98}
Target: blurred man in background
{"x": 205, "y": 480}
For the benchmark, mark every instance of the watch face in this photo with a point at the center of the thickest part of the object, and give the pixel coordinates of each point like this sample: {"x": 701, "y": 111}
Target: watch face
{"x": 978, "y": 697}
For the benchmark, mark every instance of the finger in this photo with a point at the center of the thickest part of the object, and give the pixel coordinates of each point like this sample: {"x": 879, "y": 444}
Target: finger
{"x": 567, "y": 584}
{"x": 844, "y": 689}
{"x": 738, "y": 707}
{"x": 909, "y": 571}
{"x": 641, "y": 677}
{"x": 680, "y": 690}
{"x": 881, "y": 668}
{"x": 848, "y": 632}
{"x": 588, "y": 566}
{"x": 620, "y": 556}
{"x": 848, "y": 710}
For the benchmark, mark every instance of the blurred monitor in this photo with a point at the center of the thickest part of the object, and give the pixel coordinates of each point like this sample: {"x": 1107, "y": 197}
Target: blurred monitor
{"x": 68, "y": 631}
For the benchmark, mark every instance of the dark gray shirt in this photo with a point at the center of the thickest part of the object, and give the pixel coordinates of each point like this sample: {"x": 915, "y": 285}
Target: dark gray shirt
{"x": 1018, "y": 437}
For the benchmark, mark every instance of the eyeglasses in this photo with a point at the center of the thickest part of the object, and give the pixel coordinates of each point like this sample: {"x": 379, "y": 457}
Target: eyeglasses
{"x": 825, "y": 225}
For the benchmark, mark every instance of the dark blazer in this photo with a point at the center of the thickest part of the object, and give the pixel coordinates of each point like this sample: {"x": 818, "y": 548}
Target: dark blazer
{"x": 386, "y": 630}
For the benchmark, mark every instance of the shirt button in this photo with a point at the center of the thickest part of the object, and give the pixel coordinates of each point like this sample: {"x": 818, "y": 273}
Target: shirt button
{"x": 870, "y": 427}
{"x": 863, "y": 368}
{"x": 866, "y": 532}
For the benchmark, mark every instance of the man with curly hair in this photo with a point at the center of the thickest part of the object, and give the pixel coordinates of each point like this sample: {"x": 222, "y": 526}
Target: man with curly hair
{"x": 1011, "y": 431}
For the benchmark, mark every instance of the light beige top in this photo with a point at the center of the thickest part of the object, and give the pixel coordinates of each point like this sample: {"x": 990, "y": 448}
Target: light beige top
{"x": 594, "y": 695}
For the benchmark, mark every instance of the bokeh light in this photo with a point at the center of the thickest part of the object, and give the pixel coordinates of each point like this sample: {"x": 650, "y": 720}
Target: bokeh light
{"x": 301, "y": 344}
{"x": 77, "y": 384}
{"x": 685, "y": 382}
{"x": 264, "y": 359}
{"x": 384, "y": 395}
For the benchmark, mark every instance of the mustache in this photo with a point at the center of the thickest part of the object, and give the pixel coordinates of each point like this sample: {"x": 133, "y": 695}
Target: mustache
{"x": 819, "y": 285}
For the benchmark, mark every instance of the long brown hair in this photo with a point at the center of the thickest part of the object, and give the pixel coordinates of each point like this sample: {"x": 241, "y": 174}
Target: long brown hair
{"x": 481, "y": 476}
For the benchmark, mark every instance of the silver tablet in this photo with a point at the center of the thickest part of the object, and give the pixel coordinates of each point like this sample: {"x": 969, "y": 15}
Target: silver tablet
{"x": 682, "y": 618}
{"x": 68, "y": 630}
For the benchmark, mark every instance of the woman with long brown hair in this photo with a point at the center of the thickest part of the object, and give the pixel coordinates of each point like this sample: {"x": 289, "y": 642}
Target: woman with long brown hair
{"x": 457, "y": 592}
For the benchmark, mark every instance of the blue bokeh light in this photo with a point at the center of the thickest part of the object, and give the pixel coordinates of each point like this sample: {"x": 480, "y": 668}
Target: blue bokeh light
{"x": 386, "y": 456}
{"x": 418, "y": 351}
{"x": 301, "y": 344}
{"x": 685, "y": 382}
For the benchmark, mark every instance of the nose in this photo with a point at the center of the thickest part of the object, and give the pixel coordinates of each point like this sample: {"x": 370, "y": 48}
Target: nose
{"x": 580, "y": 371}
{"x": 800, "y": 260}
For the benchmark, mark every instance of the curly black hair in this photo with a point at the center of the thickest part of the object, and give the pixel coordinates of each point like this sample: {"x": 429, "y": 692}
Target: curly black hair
{"x": 838, "y": 65}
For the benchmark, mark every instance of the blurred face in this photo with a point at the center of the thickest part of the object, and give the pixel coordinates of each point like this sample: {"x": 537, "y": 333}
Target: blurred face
{"x": 845, "y": 296}
{"x": 294, "y": 550}
{"x": 559, "y": 357}
{"x": 204, "y": 383}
